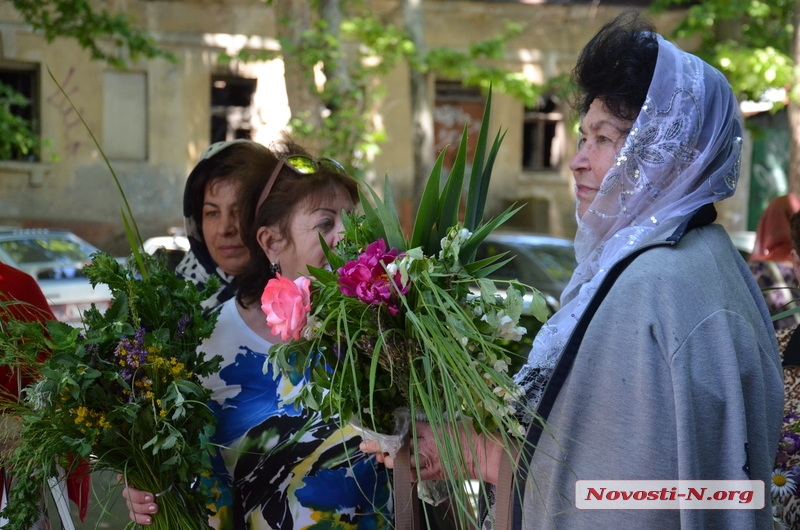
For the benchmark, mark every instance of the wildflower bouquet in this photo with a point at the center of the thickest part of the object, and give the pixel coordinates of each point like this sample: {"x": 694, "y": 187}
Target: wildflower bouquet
{"x": 123, "y": 393}
{"x": 410, "y": 324}
{"x": 786, "y": 475}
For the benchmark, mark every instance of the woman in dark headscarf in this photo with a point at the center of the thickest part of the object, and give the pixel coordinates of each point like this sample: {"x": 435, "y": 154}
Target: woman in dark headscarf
{"x": 211, "y": 214}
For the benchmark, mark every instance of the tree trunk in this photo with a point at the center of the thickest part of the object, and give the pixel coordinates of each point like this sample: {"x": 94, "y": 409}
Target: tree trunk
{"x": 794, "y": 115}
{"x": 421, "y": 106}
{"x": 293, "y": 18}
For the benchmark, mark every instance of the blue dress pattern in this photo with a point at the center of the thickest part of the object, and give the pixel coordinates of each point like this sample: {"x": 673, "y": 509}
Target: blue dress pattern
{"x": 278, "y": 466}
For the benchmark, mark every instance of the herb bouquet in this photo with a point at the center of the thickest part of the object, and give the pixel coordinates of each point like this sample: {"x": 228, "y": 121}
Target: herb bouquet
{"x": 413, "y": 324}
{"x": 123, "y": 393}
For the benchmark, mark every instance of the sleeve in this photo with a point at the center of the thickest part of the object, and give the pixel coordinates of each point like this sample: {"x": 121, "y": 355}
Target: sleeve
{"x": 728, "y": 401}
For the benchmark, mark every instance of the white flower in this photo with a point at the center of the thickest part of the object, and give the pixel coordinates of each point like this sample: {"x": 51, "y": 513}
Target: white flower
{"x": 478, "y": 310}
{"x": 501, "y": 366}
{"x": 464, "y": 341}
{"x": 391, "y": 269}
{"x": 312, "y": 328}
{"x": 782, "y": 483}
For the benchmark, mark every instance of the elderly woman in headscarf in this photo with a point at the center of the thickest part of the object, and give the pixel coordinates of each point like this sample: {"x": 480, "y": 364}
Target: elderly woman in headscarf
{"x": 661, "y": 364}
{"x": 771, "y": 261}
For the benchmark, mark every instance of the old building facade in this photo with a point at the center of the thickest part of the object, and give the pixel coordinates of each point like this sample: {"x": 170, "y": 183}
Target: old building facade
{"x": 154, "y": 120}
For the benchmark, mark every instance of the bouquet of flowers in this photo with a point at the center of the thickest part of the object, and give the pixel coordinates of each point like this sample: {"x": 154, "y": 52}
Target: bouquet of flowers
{"x": 124, "y": 393}
{"x": 786, "y": 475}
{"x": 409, "y": 324}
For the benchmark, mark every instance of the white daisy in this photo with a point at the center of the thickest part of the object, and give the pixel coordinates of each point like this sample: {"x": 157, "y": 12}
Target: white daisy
{"x": 782, "y": 483}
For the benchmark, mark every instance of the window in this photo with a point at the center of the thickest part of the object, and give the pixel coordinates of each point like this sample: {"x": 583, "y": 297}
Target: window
{"x": 19, "y": 139}
{"x": 232, "y": 108}
{"x": 542, "y": 136}
{"x": 125, "y": 115}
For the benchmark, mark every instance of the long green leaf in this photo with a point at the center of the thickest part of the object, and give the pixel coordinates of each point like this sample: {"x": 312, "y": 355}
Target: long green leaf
{"x": 450, "y": 200}
{"x": 391, "y": 210}
{"x": 387, "y": 214}
{"x": 468, "y": 250}
{"x": 131, "y": 228}
{"x": 373, "y": 220}
{"x": 428, "y": 206}
{"x": 473, "y": 215}
{"x": 477, "y": 268}
{"x": 483, "y": 191}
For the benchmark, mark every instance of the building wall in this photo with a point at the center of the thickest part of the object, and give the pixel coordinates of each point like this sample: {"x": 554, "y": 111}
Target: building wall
{"x": 77, "y": 191}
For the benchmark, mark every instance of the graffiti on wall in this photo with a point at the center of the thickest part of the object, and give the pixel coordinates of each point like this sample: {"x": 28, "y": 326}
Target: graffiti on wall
{"x": 69, "y": 119}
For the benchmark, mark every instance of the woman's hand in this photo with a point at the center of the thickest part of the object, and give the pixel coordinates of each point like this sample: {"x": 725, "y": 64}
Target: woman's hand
{"x": 140, "y": 503}
{"x": 482, "y": 454}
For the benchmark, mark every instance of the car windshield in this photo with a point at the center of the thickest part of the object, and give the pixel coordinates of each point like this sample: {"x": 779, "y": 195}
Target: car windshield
{"x": 556, "y": 261}
{"x": 49, "y": 250}
{"x": 547, "y": 267}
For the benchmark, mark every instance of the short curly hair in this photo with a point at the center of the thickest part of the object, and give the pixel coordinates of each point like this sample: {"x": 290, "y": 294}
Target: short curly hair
{"x": 617, "y": 66}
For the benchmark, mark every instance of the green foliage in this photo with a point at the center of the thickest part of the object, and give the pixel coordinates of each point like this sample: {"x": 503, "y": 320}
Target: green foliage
{"x": 370, "y": 48}
{"x": 17, "y": 138}
{"x": 90, "y": 27}
{"x": 124, "y": 392}
{"x": 756, "y": 60}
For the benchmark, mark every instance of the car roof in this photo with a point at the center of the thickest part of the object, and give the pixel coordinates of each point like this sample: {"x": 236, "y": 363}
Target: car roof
{"x": 19, "y": 231}
{"x": 510, "y": 237}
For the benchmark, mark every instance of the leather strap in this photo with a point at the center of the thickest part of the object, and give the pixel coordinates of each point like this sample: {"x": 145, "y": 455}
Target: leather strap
{"x": 406, "y": 505}
{"x": 504, "y": 489}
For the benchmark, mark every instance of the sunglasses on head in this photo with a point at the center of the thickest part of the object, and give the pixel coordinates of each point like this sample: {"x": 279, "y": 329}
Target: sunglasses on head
{"x": 302, "y": 165}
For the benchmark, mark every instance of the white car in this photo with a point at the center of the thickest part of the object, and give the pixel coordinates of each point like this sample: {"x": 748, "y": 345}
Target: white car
{"x": 173, "y": 247}
{"x": 55, "y": 259}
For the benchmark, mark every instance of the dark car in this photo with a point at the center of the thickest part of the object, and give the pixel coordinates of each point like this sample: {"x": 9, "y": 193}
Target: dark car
{"x": 55, "y": 259}
{"x": 544, "y": 262}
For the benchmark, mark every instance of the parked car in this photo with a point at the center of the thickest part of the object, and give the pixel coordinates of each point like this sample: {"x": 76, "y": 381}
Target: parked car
{"x": 55, "y": 259}
{"x": 172, "y": 247}
{"x": 543, "y": 262}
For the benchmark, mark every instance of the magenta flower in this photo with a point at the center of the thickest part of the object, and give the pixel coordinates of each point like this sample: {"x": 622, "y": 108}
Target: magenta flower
{"x": 366, "y": 278}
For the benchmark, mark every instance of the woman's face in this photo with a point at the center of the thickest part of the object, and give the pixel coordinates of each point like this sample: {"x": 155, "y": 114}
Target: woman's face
{"x": 301, "y": 248}
{"x": 221, "y": 227}
{"x": 601, "y": 137}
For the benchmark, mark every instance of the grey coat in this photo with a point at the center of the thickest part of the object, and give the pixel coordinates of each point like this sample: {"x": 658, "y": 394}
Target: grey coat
{"x": 677, "y": 377}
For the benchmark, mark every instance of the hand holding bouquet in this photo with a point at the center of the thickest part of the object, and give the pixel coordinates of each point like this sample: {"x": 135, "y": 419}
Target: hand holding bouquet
{"x": 124, "y": 393}
{"x": 409, "y": 324}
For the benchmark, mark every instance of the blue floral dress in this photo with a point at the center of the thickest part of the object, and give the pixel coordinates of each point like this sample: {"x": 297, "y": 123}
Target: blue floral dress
{"x": 280, "y": 467}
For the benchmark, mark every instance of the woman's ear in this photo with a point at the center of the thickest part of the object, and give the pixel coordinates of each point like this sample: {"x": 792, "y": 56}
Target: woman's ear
{"x": 270, "y": 242}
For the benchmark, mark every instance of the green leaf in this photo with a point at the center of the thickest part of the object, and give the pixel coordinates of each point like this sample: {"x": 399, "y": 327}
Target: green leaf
{"x": 387, "y": 214}
{"x": 470, "y": 247}
{"x": 428, "y": 207}
{"x": 450, "y": 200}
{"x": 372, "y": 218}
{"x": 473, "y": 214}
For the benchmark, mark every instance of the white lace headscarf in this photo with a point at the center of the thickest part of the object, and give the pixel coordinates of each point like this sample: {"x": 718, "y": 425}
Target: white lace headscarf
{"x": 683, "y": 151}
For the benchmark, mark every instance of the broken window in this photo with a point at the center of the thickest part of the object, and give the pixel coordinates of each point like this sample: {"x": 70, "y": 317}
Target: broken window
{"x": 232, "y": 108}
{"x": 543, "y": 136}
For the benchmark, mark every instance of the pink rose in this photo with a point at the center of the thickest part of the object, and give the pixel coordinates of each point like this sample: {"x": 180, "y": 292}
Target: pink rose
{"x": 286, "y": 304}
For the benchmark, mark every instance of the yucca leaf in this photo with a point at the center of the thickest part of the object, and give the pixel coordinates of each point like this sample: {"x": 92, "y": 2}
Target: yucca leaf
{"x": 394, "y": 231}
{"x": 334, "y": 260}
{"x": 473, "y": 215}
{"x": 428, "y": 207}
{"x": 468, "y": 249}
{"x": 372, "y": 220}
{"x": 479, "y": 268}
{"x": 483, "y": 184}
{"x": 451, "y": 195}
{"x": 387, "y": 216}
